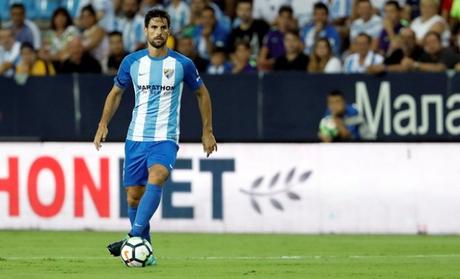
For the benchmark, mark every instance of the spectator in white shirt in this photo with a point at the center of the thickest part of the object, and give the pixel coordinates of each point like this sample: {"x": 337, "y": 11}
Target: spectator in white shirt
{"x": 25, "y": 31}
{"x": 268, "y": 9}
{"x": 9, "y": 52}
{"x": 322, "y": 59}
{"x": 367, "y": 22}
{"x": 429, "y": 20}
{"x": 364, "y": 57}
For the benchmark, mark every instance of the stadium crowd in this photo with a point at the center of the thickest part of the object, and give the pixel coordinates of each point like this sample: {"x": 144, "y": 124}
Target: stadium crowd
{"x": 48, "y": 37}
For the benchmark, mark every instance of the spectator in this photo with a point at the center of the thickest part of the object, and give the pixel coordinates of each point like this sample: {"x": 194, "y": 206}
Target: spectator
{"x": 391, "y": 26}
{"x": 180, "y": 15}
{"x": 379, "y": 5}
{"x": 294, "y": 59}
{"x": 94, "y": 38}
{"x": 61, "y": 33}
{"x": 367, "y": 22}
{"x": 341, "y": 122}
{"x": 250, "y": 30}
{"x": 339, "y": 11}
{"x": 197, "y": 6}
{"x": 116, "y": 53}
{"x": 79, "y": 61}
{"x": 273, "y": 45}
{"x": 364, "y": 57}
{"x": 105, "y": 12}
{"x": 186, "y": 47}
{"x": 267, "y": 10}
{"x": 9, "y": 52}
{"x": 435, "y": 57}
{"x": 30, "y": 65}
{"x": 303, "y": 10}
{"x": 322, "y": 60}
{"x": 132, "y": 26}
{"x": 320, "y": 28}
{"x": 23, "y": 29}
{"x": 242, "y": 61}
{"x": 219, "y": 64}
{"x": 209, "y": 33}
{"x": 429, "y": 20}
{"x": 406, "y": 47}
{"x": 147, "y": 5}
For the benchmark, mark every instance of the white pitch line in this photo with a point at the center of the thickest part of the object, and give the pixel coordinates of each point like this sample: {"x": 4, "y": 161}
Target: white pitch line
{"x": 249, "y": 258}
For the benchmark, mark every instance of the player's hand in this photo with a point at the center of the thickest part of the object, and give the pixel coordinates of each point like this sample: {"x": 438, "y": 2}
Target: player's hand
{"x": 209, "y": 143}
{"x": 100, "y": 136}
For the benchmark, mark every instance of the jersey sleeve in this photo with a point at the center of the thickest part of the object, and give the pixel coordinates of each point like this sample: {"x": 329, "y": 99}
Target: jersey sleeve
{"x": 123, "y": 77}
{"x": 191, "y": 76}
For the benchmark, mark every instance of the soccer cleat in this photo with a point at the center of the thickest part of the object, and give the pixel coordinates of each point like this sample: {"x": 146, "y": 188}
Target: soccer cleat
{"x": 115, "y": 248}
{"x": 151, "y": 260}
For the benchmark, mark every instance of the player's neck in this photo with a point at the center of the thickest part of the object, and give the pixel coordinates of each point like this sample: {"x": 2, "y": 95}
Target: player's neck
{"x": 158, "y": 52}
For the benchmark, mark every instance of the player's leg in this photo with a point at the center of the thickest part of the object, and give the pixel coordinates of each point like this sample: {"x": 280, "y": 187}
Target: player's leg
{"x": 134, "y": 178}
{"x": 133, "y": 196}
{"x": 160, "y": 162}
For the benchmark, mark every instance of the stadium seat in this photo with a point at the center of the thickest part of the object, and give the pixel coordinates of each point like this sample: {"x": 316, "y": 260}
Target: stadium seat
{"x": 46, "y": 8}
{"x": 71, "y": 6}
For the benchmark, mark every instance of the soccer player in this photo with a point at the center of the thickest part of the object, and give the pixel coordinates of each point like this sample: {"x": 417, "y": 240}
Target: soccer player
{"x": 157, "y": 74}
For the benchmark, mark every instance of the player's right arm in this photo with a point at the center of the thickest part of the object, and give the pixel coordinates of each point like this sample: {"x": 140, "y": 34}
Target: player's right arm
{"x": 110, "y": 107}
{"x": 112, "y": 101}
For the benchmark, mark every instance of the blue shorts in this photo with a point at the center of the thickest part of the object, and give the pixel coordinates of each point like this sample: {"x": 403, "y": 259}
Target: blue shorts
{"x": 141, "y": 155}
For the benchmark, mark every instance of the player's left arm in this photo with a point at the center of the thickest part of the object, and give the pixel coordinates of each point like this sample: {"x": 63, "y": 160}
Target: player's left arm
{"x": 204, "y": 104}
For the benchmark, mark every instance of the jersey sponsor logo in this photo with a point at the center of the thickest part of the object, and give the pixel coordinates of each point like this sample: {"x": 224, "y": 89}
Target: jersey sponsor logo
{"x": 154, "y": 87}
{"x": 168, "y": 73}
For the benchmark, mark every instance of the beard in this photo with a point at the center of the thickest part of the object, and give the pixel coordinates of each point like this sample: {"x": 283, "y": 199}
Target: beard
{"x": 157, "y": 45}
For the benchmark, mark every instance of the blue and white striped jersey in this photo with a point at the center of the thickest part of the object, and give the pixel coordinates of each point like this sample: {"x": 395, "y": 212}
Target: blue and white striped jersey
{"x": 158, "y": 84}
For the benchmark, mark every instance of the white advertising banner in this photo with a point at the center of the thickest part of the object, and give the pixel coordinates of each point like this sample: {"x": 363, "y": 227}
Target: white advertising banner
{"x": 281, "y": 188}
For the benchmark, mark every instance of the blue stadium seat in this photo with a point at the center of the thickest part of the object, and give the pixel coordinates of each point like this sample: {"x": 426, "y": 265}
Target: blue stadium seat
{"x": 4, "y": 11}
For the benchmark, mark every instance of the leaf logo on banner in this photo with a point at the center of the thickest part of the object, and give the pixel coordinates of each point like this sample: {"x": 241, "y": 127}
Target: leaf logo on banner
{"x": 276, "y": 188}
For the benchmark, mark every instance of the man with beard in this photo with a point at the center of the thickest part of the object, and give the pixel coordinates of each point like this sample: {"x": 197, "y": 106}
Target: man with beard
{"x": 157, "y": 74}
{"x": 131, "y": 25}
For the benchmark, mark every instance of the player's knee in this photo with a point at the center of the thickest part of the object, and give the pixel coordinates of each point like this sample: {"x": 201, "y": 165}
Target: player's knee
{"x": 158, "y": 175}
{"x": 134, "y": 197}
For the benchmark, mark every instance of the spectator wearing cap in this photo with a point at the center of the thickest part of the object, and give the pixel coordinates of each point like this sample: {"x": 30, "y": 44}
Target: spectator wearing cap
{"x": 31, "y": 65}
{"x": 209, "y": 34}
{"x": 61, "y": 33}
{"x": 322, "y": 59}
{"x": 364, "y": 57}
{"x": 435, "y": 57}
{"x": 180, "y": 15}
{"x": 132, "y": 26}
{"x": 219, "y": 64}
{"x": 9, "y": 52}
{"x": 24, "y": 30}
{"x": 430, "y": 20}
{"x": 250, "y": 30}
{"x": 391, "y": 26}
{"x": 367, "y": 22}
{"x": 186, "y": 46}
{"x": 241, "y": 59}
{"x": 294, "y": 59}
{"x": 111, "y": 63}
{"x": 320, "y": 28}
{"x": 273, "y": 45}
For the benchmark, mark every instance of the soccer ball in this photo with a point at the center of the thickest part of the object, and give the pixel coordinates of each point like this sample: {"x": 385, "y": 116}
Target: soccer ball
{"x": 135, "y": 252}
{"x": 327, "y": 127}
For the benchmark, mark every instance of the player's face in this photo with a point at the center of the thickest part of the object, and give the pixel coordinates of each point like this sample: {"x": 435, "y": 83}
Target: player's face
{"x": 157, "y": 32}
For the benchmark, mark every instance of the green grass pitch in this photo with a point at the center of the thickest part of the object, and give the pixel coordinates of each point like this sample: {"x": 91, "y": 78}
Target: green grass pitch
{"x": 82, "y": 255}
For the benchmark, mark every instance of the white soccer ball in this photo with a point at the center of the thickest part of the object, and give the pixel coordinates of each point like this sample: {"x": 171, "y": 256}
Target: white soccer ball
{"x": 135, "y": 252}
